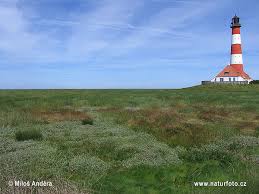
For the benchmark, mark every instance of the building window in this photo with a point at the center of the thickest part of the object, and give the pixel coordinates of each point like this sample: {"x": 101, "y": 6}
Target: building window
{"x": 234, "y": 79}
{"x": 229, "y": 79}
{"x": 226, "y": 73}
{"x": 221, "y": 79}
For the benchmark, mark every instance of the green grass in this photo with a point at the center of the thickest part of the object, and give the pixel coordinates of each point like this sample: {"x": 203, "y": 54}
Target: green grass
{"x": 131, "y": 141}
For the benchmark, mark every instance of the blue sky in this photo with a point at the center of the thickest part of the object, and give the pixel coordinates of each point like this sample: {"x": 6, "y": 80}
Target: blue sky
{"x": 121, "y": 43}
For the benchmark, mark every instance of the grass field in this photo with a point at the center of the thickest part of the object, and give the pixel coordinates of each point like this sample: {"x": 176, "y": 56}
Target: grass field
{"x": 130, "y": 141}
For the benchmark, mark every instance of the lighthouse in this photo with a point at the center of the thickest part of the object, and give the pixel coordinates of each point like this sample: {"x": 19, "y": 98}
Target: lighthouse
{"x": 234, "y": 72}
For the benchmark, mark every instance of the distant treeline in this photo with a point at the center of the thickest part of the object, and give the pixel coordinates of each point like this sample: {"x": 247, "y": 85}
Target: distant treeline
{"x": 254, "y": 82}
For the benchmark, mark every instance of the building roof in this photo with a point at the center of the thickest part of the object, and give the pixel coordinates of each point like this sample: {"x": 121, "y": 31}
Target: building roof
{"x": 230, "y": 71}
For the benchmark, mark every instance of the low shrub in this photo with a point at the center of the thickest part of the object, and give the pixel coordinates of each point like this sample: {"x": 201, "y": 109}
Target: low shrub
{"x": 224, "y": 151}
{"x": 87, "y": 121}
{"x": 210, "y": 152}
{"x": 242, "y": 142}
{"x": 88, "y": 166}
{"x": 23, "y": 135}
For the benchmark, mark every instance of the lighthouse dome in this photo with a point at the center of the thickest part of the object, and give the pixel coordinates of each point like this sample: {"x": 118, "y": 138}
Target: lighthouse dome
{"x": 235, "y": 22}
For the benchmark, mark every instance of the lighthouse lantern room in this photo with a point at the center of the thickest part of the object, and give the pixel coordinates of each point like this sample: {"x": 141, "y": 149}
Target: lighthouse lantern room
{"x": 234, "y": 73}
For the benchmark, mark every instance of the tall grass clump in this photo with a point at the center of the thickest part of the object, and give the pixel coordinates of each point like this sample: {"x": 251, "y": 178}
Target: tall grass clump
{"x": 87, "y": 121}
{"x": 28, "y": 134}
{"x": 257, "y": 132}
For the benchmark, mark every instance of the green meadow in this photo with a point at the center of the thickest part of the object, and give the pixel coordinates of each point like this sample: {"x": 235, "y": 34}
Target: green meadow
{"x": 130, "y": 141}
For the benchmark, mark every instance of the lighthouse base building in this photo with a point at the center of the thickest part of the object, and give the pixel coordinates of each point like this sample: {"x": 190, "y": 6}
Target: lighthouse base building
{"x": 234, "y": 73}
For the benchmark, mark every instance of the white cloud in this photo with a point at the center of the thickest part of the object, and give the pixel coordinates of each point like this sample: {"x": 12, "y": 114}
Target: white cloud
{"x": 17, "y": 41}
{"x": 91, "y": 34}
{"x": 174, "y": 22}
{"x": 107, "y": 31}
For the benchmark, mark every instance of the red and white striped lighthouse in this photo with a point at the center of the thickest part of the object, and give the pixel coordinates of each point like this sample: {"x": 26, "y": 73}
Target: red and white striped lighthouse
{"x": 235, "y": 71}
{"x": 236, "y": 50}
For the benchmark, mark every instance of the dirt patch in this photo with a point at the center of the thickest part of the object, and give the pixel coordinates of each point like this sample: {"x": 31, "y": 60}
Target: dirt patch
{"x": 109, "y": 109}
{"x": 213, "y": 114}
{"x": 61, "y": 115}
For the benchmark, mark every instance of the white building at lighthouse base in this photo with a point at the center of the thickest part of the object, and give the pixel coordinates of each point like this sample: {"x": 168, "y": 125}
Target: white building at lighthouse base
{"x": 232, "y": 74}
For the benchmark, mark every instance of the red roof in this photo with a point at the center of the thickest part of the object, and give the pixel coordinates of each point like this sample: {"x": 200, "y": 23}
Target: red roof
{"x": 231, "y": 71}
